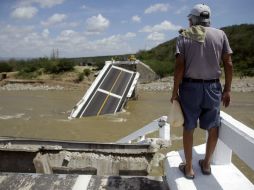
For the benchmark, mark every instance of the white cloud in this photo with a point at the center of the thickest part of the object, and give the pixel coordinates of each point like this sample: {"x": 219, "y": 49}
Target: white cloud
{"x": 116, "y": 39}
{"x": 27, "y": 42}
{"x": 124, "y": 21}
{"x": 45, "y": 33}
{"x": 24, "y": 12}
{"x": 156, "y": 36}
{"x": 136, "y": 18}
{"x": 164, "y": 26}
{"x": 66, "y": 35}
{"x": 182, "y": 9}
{"x": 115, "y": 44}
{"x": 97, "y": 24}
{"x": 49, "y": 3}
{"x": 54, "y": 19}
{"x": 83, "y": 7}
{"x": 130, "y": 35}
{"x": 22, "y": 42}
{"x": 42, "y": 3}
{"x": 159, "y": 7}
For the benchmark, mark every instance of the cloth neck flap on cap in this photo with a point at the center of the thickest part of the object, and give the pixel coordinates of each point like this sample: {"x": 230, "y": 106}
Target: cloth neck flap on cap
{"x": 196, "y": 33}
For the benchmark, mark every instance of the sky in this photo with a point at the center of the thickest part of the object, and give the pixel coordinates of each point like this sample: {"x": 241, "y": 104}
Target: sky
{"x": 83, "y": 28}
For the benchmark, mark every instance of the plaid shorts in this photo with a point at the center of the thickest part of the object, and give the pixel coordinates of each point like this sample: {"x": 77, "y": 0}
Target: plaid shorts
{"x": 200, "y": 101}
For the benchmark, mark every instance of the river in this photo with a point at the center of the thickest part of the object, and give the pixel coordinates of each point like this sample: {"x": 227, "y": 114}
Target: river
{"x": 44, "y": 114}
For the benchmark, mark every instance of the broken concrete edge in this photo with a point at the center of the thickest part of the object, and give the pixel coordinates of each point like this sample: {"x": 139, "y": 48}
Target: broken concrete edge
{"x": 71, "y": 162}
{"x": 32, "y": 145}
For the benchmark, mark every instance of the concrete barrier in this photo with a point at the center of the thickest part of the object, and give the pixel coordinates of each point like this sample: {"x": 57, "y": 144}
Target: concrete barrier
{"x": 233, "y": 137}
{"x": 54, "y": 157}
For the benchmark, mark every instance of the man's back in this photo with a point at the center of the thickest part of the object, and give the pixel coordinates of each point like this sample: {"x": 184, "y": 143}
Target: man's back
{"x": 202, "y": 59}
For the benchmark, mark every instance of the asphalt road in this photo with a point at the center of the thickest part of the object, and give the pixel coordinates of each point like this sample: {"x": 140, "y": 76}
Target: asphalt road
{"x": 110, "y": 93}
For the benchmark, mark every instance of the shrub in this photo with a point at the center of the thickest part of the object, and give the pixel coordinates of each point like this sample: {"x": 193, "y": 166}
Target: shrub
{"x": 99, "y": 64}
{"x": 56, "y": 66}
{"x": 87, "y": 72}
{"x": 161, "y": 68}
{"x": 80, "y": 77}
{"x": 5, "y": 67}
{"x": 65, "y": 65}
{"x": 30, "y": 75}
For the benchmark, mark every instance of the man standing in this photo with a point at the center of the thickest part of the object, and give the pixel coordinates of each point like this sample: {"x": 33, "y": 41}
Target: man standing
{"x": 199, "y": 50}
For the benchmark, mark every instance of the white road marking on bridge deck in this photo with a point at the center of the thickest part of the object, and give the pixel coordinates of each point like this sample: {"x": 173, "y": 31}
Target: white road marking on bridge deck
{"x": 89, "y": 91}
{"x": 110, "y": 93}
{"x": 124, "y": 92}
{"x": 82, "y": 182}
{"x": 122, "y": 69}
{"x": 95, "y": 93}
{"x": 106, "y": 99}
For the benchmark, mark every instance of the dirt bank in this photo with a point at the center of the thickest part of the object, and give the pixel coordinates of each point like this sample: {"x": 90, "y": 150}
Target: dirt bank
{"x": 245, "y": 84}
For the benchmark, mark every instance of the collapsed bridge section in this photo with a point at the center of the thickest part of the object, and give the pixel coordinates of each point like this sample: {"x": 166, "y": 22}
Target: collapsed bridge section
{"x": 108, "y": 93}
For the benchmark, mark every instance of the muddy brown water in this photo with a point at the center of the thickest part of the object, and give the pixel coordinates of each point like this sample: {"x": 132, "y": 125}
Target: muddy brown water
{"x": 44, "y": 115}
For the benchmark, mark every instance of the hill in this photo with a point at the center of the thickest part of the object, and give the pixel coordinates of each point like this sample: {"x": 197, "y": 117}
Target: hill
{"x": 161, "y": 58}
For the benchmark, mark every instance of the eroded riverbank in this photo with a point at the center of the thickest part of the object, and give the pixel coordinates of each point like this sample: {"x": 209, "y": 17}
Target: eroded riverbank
{"x": 245, "y": 84}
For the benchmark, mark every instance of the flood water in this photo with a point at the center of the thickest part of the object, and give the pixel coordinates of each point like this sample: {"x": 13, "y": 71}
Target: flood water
{"x": 44, "y": 115}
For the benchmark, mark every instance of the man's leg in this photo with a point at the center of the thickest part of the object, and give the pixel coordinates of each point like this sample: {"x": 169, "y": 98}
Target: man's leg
{"x": 210, "y": 120}
{"x": 187, "y": 145}
{"x": 210, "y": 146}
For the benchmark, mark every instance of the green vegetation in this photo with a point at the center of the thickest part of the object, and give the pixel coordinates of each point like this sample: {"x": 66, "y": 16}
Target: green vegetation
{"x": 32, "y": 68}
{"x": 59, "y": 66}
{"x": 80, "y": 77}
{"x": 241, "y": 40}
{"x": 5, "y": 67}
{"x": 161, "y": 58}
{"x": 35, "y": 67}
{"x": 87, "y": 72}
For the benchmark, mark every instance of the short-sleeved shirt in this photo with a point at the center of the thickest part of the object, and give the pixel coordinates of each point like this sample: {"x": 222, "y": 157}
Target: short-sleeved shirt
{"x": 202, "y": 60}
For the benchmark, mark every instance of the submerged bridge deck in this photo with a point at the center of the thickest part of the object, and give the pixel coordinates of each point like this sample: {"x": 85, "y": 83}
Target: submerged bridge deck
{"x": 108, "y": 93}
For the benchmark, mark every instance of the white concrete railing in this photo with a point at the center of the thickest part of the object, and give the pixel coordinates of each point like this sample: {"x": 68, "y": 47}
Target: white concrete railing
{"x": 237, "y": 137}
{"x": 158, "y": 124}
{"x": 234, "y": 136}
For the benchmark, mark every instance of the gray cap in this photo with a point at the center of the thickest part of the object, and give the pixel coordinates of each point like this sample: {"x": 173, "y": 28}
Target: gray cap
{"x": 200, "y": 13}
{"x": 200, "y": 10}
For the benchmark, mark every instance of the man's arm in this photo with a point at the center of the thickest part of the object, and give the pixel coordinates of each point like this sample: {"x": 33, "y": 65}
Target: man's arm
{"x": 228, "y": 69}
{"x": 178, "y": 76}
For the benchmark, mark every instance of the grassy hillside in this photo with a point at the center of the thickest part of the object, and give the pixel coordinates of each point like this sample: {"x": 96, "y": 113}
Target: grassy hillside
{"x": 241, "y": 38}
{"x": 161, "y": 58}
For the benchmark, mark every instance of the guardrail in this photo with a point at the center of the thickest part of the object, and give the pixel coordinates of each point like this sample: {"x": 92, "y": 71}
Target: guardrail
{"x": 235, "y": 137}
{"x": 159, "y": 124}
